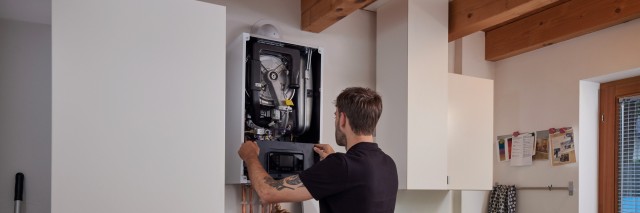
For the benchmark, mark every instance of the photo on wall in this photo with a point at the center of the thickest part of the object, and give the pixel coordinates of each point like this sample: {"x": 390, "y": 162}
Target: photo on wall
{"x": 503, "y": 147}
{"x": 542, "y": 145}
{"x": 562, "y": 146}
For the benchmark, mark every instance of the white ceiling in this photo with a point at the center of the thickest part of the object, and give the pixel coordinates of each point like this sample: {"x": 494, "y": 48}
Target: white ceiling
{"x": 35, "y": 11}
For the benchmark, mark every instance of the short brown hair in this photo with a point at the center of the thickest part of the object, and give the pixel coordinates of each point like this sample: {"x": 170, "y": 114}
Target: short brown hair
{"x": 362, "y": 106}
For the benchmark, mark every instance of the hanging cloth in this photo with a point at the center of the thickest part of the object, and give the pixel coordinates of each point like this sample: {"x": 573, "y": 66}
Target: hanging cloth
{"x": 502, "y": 199}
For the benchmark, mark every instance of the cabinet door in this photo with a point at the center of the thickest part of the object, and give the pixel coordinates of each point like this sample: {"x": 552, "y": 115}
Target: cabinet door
{"x": 470, "y": 133}
{"x": 138, "y": 106}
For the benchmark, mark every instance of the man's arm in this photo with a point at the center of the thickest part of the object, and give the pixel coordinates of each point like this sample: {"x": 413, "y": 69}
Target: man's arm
{"x": 289, "y": 189}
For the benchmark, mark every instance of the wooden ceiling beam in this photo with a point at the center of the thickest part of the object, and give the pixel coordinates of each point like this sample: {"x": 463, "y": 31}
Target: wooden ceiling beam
{"x": 470, "y": 16}
{"x": 318, "y": 15}
{"x": 564, "y": 21}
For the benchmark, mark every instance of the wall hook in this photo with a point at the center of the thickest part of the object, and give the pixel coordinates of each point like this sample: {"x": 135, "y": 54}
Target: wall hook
{"x": 570, "y": 188}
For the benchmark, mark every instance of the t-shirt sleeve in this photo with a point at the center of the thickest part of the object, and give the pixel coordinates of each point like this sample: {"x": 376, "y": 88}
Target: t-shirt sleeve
{"x": 326, "y": 177}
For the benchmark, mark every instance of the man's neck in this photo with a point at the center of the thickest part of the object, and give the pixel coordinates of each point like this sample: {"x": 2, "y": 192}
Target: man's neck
{"x": 356, "y": 139}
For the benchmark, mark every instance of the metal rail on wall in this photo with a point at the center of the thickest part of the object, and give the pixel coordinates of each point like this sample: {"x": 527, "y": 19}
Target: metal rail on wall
{"x": 549, "y": 187}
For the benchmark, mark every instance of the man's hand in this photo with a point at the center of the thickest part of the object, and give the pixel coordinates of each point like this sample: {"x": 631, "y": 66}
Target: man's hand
{"x": 249, "y": 150}
{"x": 323, "y": 150}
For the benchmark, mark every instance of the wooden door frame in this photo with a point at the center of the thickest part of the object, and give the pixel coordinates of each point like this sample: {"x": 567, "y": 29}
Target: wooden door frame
{"x": 608, "y": 140}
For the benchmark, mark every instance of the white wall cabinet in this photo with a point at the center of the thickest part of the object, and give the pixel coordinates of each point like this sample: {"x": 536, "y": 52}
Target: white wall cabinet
{"x": 466, "y": 151}
{"x": 470, "y": 133}
{"x": 138, "y": 106}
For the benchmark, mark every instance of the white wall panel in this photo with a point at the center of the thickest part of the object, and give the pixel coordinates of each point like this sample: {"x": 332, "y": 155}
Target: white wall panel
{"x": 138, "y": 119}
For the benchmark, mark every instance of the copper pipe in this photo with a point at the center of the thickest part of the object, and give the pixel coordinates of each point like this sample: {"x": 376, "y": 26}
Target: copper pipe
{"x": 244, "y": 208}
{"x": 250, "y": 202}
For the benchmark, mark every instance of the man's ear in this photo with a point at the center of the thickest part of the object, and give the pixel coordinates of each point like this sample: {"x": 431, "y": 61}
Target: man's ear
{"x": 343, "y": 120}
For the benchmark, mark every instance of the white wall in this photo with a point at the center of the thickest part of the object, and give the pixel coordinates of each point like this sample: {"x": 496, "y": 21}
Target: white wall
{"x": 540, "y": 89}
{"x": 470, "y": 52}
{"x": 32, "y": 11}
{"x": 423, "y": 201}
{"x": 25, "y": 113}
{"x": 588, "y": 156}
{"x": 138, "y": 124}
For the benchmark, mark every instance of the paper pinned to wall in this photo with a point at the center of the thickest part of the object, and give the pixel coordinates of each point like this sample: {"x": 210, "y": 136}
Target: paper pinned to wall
{"x": 503, "y": 146}
{"x": 563, "y": 147}
{"x": 542, "y": 145}
{"x": 522, "y": 149}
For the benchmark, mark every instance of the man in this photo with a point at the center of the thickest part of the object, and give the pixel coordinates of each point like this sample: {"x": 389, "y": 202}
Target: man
{"x": 363, "y": 180}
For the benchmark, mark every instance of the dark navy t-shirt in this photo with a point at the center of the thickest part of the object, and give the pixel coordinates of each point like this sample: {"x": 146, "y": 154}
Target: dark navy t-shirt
{"x": 364, "y": 180}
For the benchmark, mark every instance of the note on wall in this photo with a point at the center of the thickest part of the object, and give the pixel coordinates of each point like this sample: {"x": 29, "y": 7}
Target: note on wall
{"x": 562, "y": 146}
{"x": 502, "y": 146}
{"x": 522, "y": 149}
{"x": 542, "y": 145}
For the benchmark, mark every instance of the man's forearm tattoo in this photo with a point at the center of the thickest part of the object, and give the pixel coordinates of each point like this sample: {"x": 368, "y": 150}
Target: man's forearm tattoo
{"x": 293, "y": 180}
{"x": 278, "y": 184}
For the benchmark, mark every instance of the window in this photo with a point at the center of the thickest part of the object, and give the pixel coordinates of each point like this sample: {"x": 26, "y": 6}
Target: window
{"x": 619, "y": 147}
{"x": 628, "y": 159}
